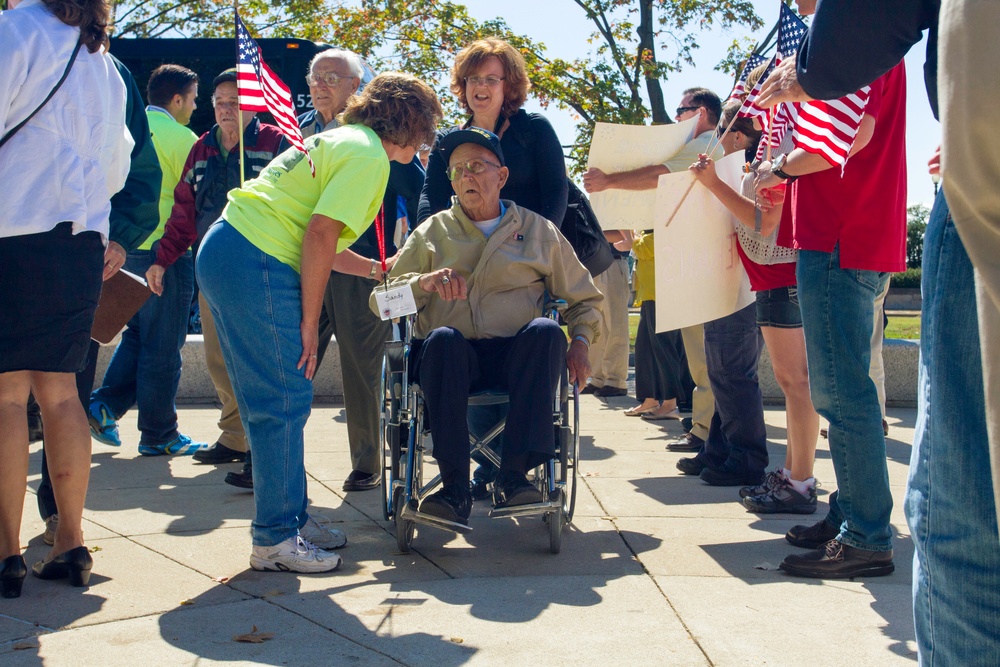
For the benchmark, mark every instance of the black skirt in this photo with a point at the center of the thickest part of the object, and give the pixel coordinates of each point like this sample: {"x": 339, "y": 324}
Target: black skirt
{"x": 50, "y": 284}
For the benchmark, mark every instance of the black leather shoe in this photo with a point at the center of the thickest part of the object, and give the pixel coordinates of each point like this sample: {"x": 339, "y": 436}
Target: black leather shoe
{"x": 835, "y": 560}
{"x": 362, "y": 481}
{"x": 219, "y": 453}
{"x": 452, "y": 503}
{"x": 690, "y": 466}
{"x": 589, "y": 389}
{"x": 74, "y": 564}
{"x": 244, "y": 478}
{"x": 730, "y": 477}
{"x": 811, "y": 537}
{"x": 512, "y": 489}
{"x": 607, "y": 391}
{"x": 12, "y": 574}
{"x": 689, "y": 442}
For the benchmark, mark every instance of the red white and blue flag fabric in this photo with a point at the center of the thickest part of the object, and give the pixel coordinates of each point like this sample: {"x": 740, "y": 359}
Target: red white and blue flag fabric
{"x": 753, "y": 62}
{"x": 791, "y": 30}
{"x": 260, "y": 89}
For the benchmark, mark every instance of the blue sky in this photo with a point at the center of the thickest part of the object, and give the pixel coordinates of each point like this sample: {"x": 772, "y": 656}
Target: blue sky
{"x": 562, "y": 26}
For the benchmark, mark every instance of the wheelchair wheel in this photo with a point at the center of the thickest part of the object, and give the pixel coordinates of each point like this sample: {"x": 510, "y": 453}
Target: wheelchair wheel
{"x": 404, "y": 528}
{"x": 569, "y": 449}
{"x": 391, "y": 432}
{"x": 556, "y": 521}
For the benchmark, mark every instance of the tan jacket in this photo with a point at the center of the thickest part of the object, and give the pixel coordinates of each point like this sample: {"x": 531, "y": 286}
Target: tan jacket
{"x": 507, "y": 275}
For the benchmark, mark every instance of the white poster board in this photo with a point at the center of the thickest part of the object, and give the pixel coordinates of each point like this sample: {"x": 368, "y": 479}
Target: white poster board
{"x": 617, "y": 148}
{"x": 699, "y": 275}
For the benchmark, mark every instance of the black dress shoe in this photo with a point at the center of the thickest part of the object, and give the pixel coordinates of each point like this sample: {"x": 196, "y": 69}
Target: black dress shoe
{"x": 690, "y": 466}
{"x": 219, "y": 453}
{"x": 452, "y": 502}
{"x": 812, "y": 537}
{"x": 12, "y": 574}
{"x": 607, "y": 391}
{"x": 835, "y": 560}
{"x": 244, "y": 478}
{"x": 513, "y": 489}
{"x": 362, "y": 481}
{"x": 724, "y": 476}
{"x": 688, "y": 443}
{"x": 74, "y": 564}
{"x": 589, "y": 389}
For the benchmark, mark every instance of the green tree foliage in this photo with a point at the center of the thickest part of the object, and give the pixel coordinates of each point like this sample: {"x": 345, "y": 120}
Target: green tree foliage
{"x": 635, "y": 44}
{"x": 916, "y": 225}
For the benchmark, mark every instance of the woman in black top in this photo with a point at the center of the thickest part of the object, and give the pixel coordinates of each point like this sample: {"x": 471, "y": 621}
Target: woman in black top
{"x": 490, "y": 79}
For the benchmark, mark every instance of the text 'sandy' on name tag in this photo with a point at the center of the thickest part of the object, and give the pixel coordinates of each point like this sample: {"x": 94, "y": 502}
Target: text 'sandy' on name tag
{"x": 396, "y": 302}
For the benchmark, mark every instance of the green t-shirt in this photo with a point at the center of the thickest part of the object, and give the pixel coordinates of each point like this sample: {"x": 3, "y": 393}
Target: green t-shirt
{"x": 172, "y": 142}
{"x": 273, "y": 210}
{"x": 688, "y": 155}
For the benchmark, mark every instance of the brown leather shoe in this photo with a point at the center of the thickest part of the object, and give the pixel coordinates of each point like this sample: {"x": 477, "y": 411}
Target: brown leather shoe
{"x": 835, "y": 560}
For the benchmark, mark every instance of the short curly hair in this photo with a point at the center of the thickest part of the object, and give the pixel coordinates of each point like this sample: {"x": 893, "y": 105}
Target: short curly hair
{"x": 398, "y": 107}
{"x": 472, "y": 57}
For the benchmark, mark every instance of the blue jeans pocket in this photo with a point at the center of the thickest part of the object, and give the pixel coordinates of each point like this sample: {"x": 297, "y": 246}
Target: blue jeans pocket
{"x": 869, "y": 279}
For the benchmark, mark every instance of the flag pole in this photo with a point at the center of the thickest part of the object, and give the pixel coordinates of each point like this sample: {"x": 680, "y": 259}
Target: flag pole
{"x": 239, "y": 106}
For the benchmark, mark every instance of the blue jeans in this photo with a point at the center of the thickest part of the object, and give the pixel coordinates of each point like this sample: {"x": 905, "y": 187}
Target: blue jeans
{"x": 838, "y": 310}
{"x": 737, "y": 438}
{"x": 146, "y": 367}
{"x": 257, "y": 305}
{"x": 949, "y": 508}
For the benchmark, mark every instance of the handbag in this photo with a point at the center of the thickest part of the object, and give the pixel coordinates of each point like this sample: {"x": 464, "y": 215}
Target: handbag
{"x": 69, "y": 65}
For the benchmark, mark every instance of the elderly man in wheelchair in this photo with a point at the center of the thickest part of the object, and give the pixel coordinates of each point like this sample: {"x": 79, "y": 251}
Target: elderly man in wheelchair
{"x": 480, "y": 273}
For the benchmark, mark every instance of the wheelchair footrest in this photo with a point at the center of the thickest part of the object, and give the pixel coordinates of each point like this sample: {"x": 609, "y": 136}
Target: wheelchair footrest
{"x": 433, "y": 521}
{"x": 545, "y": 507}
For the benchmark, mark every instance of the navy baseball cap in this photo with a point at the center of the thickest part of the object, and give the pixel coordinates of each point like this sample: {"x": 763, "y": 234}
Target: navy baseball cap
{"x": 228, "y": 76}
{"x": 472, "y": 135}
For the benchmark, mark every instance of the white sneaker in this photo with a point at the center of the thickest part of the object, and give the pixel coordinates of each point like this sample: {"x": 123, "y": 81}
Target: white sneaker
{"x": 321, "y": 536}
{"x": 293, "y": 555}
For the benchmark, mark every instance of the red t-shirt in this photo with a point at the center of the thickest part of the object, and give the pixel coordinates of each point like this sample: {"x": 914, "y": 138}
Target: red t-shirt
{"x": 865, "y": 210}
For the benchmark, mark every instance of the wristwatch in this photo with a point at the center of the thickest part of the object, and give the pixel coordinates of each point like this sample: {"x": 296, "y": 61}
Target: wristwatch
{"x": 776, "y": 168}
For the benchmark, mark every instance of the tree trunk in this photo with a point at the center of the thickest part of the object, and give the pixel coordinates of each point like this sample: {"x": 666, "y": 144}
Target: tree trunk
{"x": 648, "y": 46}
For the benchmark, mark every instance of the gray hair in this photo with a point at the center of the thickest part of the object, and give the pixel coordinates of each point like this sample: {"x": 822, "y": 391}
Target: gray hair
{"x": 349, "y": 57}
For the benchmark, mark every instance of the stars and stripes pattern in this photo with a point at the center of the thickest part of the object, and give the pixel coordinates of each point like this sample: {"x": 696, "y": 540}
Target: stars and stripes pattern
{"x": 260, "y": 89}
{"x": 791, "y": 30}
{"x": 753, "y": 62}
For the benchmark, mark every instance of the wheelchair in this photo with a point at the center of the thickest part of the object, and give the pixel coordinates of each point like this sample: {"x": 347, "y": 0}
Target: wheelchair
{"x": 406, "y": 439}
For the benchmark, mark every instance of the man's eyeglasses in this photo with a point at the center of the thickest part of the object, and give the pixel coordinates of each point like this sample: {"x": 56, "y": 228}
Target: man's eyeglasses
{"x": 490, "y": 81}
{"x": 328, "y": 78}
{"x": 474, "y": 167}
{"x": 682, "y": 110}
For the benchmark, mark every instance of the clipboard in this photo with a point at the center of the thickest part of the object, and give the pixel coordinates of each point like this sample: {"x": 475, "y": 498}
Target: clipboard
{"x": 122, "y": 295}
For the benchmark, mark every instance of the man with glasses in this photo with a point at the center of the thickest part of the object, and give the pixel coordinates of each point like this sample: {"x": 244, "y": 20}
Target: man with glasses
{"x": 212, "y": 169}
{"x": 479, "y": 273}
{"x": 707, "y": 107}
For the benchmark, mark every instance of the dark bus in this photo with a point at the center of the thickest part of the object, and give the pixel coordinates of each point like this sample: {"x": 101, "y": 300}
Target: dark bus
{"x": 288, "y": 58}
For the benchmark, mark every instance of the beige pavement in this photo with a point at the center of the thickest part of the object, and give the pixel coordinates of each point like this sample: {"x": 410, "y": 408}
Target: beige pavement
{"x": 658, "y": 569}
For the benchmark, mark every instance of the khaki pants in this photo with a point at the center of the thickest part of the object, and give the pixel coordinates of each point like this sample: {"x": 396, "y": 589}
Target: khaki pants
{"x": 233, "y": 435}
{"x": 609, "y": 353}
{"x": 876, "y": 370}
{"x": 969, "y": 92}
{"x": 702, "y": 399}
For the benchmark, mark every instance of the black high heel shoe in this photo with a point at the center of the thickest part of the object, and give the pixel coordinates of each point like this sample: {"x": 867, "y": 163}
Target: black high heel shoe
{"x": 12, "y": 575}
{"x": 75, "y": 564}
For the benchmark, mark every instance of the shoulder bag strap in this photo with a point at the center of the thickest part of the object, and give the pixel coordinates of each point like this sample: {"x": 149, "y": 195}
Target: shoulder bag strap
{"x": 65, "y": 73}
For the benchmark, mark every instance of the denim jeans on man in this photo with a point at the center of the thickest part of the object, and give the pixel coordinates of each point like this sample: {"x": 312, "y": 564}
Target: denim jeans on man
{"x": 956, "y": 561}
{"x": 146, "y": 367}
{"x": 257, "y": 305}
{"x": 737, "y": 438}
{"x": 838, "y": 307}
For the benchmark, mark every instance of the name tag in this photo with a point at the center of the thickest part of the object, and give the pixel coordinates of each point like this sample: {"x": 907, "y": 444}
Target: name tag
{"x": 396, "y": 302}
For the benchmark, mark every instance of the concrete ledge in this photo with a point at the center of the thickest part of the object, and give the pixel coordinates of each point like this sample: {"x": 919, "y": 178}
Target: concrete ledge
{"x": 902, "y": 358}
{"x": 196, "y": 385}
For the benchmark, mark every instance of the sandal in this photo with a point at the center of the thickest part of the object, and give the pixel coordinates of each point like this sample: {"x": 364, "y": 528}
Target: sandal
{"x": 639, "y": 411}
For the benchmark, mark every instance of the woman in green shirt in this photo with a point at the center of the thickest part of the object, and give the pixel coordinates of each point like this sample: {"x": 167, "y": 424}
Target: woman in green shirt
{"x": 263, "y": 268}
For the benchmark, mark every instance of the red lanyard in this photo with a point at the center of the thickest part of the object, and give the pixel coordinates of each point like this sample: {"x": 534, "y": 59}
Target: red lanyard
{"x": 380, "y": 234}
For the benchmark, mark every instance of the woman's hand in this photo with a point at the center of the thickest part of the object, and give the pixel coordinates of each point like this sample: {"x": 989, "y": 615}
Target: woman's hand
{"x": 704, "y": 169}
{"x": 154, "y": 277}
{"x": 771, "y": 197}
{"x": 448, "y": 284}
{"x": 310, "y": 346}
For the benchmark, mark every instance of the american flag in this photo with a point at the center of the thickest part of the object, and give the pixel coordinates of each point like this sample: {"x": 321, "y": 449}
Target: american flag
{"x": 828, "y": 128}
{"x": 260, "y": 89}
{"x": 791, "y": 30}
{"x": 753, "y": 62}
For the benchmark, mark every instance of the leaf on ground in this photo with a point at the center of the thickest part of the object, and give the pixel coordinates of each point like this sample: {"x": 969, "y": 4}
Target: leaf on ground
{"x": 26, "y": 645}
{"x": 95, "y": 549}
{"x": 187, "y": 602}
{"x": 254, "y": 637}
{"x": 765, "y": 566}
{"x": 221, "y": 580}
{"x": 457, "y": 640}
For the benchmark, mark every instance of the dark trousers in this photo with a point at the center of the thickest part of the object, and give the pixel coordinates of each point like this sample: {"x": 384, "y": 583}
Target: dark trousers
{"x": 527, "y": 366}
{"x": 660, "y": 368}
{"x": 737, "y": 438}
{"x": 84, "y": 385}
